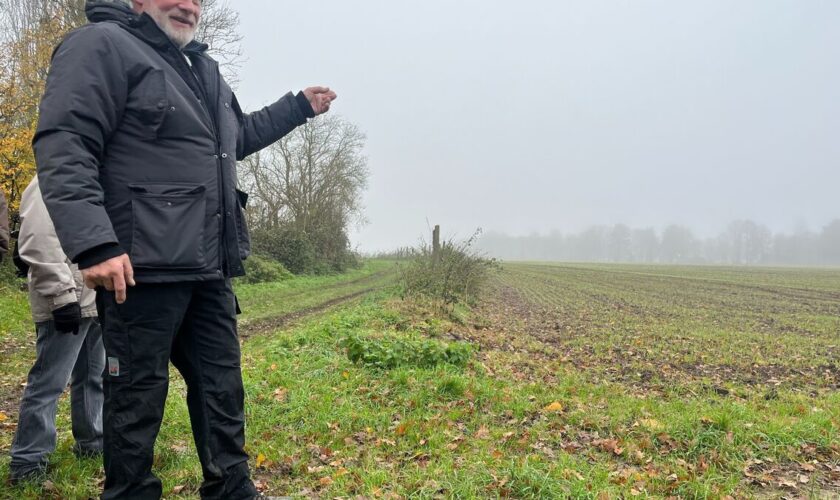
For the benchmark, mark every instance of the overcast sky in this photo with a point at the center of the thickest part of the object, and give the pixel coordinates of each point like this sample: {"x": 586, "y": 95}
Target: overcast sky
{"x": 532, "y": 116}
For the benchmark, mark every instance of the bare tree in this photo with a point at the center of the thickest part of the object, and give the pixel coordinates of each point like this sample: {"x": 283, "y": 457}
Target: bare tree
{"x": 306, "y": 191}
{"x": 314, "y": 175}
{"x": 219, "y": 28}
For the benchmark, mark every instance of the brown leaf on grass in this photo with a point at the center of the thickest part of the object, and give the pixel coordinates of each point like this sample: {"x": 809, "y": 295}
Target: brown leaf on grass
{"x": 497, "y": 454}
{"x": 609, "y": 446}
{"x": 786, "y": 483}
{"x": 178, "y": 489}
{"x": 280, "y": 394}
{"x": 179, "y": 448}
{"x": 325, "y": 481}
{"x": 482, "y": 433}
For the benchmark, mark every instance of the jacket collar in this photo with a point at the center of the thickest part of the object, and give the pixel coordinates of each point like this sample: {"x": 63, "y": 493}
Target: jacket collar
{"x": 108, "y": 10}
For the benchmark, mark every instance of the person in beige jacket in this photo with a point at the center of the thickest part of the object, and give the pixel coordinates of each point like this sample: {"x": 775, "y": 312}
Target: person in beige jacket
{"x": 68, "y": 347}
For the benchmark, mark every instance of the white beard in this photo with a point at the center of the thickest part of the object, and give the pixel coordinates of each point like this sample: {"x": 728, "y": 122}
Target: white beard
{"x": 179, "y": 36}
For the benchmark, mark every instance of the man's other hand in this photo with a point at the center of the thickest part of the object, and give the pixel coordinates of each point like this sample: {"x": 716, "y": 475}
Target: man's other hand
{"x": 67, "y": 318}
{"x": 320, "y": 98}
{"x": 114, "y": 274}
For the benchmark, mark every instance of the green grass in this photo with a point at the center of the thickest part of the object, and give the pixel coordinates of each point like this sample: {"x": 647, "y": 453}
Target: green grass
{"x": 322, "y": 425}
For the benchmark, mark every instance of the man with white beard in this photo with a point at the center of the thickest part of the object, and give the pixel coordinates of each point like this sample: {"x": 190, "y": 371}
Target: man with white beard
{"x": 136, "y": 150}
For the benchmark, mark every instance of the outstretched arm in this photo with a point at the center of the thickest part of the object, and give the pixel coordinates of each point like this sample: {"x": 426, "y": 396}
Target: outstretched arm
{"x": 266, "y": 126}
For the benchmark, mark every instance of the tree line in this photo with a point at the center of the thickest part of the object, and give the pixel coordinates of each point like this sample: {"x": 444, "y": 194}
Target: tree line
{"x": 743, "y": 242}
{"x": 305, "y": 190}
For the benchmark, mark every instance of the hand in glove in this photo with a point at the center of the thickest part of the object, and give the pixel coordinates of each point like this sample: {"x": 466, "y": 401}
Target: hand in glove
{"x": 67, "y": 318}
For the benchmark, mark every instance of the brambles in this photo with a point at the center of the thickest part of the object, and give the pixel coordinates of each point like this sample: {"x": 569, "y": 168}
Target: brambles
{"x": 451, "y": 274}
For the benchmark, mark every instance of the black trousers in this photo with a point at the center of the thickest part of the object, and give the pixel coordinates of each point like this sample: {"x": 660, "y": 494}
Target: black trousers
{"x": 194, "y": 325}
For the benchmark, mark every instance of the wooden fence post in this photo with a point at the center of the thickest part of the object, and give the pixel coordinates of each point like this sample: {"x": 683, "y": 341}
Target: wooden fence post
{"x": 436, "y": 243}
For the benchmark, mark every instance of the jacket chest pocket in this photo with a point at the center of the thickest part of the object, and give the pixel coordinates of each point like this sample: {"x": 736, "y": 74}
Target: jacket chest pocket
{"x": 152, "y": 104}
{"x": 166, "y": 110}
{"x": 167, "y": 226}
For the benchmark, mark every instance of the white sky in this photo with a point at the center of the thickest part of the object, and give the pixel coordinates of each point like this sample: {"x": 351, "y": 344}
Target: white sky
{"x": 539, "y": 115}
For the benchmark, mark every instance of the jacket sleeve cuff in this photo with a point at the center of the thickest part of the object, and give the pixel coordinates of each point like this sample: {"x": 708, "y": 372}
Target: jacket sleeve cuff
{"x": 96, "y": 255}
{"x": 304, "y": 105}
{"x": 61, "y": 300}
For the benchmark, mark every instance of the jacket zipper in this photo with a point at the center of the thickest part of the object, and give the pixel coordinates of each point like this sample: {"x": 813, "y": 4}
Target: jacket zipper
{"x": 205, "y": 102}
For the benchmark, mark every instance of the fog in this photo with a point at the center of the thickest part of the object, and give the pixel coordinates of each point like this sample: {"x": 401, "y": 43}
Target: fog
{"x": 541, "y": 116}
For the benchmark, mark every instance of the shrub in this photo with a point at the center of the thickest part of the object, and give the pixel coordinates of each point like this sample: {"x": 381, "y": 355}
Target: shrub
{"x": 454, "y": 274}
{"x": 389, "y": 351}
{"x": 316, "y": 252}
{"x": 260, "y": 269}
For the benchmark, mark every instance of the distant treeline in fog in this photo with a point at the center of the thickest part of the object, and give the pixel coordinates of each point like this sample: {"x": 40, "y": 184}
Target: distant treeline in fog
{"x": 743, "y": 242}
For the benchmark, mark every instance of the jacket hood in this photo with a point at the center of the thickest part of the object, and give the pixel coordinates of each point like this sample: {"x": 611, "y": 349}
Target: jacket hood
{"x": 109, "y": 10}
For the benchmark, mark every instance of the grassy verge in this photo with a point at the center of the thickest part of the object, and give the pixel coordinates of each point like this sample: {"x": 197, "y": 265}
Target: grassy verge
{"x": 522, "y": 414}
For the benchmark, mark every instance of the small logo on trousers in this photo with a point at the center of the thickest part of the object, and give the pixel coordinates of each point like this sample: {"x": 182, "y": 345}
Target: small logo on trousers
{"x": 113, "y": 367}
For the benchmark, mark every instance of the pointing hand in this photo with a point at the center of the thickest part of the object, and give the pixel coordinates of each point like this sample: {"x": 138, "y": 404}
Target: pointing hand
{"x": 320, "y": 98}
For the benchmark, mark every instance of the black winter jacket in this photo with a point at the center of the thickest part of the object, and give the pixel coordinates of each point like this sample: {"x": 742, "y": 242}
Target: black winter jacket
{"x": 136, "y": 151}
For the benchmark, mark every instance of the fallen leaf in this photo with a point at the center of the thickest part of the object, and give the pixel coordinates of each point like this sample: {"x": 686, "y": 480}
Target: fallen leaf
{"x": 178, "y": 489}
{"x": 260, "y": 460}
{"x": 482, "y": 433}
{"x": 652, "y": 424}
{"x": 3, "y": 417}
{"x": 325, "y": 481}
{"x": 554, "y": 407}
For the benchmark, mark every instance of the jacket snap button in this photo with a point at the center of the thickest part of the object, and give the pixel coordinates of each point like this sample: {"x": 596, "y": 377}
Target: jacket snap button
{"x": 172, "y": 108}
{"x": 227, "y": 105}
{"x": 224, "y": 155}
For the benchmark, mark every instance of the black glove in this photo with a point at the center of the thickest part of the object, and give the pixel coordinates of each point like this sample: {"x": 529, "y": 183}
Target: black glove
{"x": 67, "y": 318}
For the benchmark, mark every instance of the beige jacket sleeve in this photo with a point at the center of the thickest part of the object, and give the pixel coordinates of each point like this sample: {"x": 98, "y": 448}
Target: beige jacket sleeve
{"x": 50, "y": 275}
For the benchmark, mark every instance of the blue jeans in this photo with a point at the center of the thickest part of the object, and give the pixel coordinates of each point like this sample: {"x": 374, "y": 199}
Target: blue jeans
{"x": 60, "y": 357}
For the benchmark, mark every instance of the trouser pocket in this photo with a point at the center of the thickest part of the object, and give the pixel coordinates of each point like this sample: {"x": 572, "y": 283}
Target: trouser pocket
{"x": 167, "y": 226}
{"x": 115, "y": 339}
